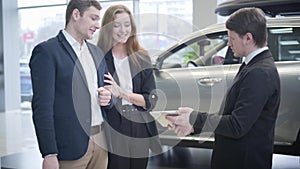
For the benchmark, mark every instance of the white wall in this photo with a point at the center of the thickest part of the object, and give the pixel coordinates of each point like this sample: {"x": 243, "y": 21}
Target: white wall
{"x": 204, "y": 13}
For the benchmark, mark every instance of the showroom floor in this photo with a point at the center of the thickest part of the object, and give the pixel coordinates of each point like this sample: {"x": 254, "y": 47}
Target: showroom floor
{"x": 18, "y": 149}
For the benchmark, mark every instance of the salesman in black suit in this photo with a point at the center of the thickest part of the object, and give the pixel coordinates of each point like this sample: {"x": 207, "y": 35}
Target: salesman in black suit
{"x": 68, "y": 78}
{"x": 244, "y": 126}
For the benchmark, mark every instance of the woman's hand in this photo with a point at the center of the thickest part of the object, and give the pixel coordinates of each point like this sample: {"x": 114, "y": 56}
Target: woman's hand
{"x": 113, "y": 87}
{"x": 117, "y": 91}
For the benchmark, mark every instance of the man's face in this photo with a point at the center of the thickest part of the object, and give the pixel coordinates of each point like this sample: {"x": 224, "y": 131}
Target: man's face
{"x": 121, "y": 28}
{"x": 237, "y": 44}
{"x": 88, "y": 23}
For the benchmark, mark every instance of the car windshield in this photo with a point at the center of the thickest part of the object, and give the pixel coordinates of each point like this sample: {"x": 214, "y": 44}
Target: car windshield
{"x": 201, "y": 51}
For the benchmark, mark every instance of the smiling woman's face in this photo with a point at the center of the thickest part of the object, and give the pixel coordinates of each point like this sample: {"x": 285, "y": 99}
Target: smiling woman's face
{"x": 121, "y": 28}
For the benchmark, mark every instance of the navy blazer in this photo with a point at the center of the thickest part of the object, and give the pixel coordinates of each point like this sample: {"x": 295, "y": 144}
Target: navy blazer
{"x": 244, "y": 134}
{"x": 143, "y": 83}
{"x": 61, "y": 102}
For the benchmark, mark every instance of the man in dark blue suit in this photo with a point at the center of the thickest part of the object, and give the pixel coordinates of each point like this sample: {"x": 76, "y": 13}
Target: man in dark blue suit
{"x": 69, "y": 98}
{"x": 244, "y": 126}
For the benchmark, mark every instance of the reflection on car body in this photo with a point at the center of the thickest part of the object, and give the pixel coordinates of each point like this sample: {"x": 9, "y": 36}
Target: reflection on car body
{"x": 200, "y": 82}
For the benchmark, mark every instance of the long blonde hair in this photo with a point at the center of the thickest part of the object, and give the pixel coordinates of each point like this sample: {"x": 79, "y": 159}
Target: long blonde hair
{"x": 105, "y": 40}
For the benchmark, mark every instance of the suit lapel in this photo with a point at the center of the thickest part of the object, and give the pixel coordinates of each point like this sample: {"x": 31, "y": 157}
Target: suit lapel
{"x": 67, "y": 46}
{"x": 73, "y": 56}
{"x": 243, "y": 69}
{"x": 135, "y": 74}
{"x": 97, "y": 58}
{"x": 112, "y": 70}
{"x": 263, "y": 55}
{"x": 111, "y": 66}
{"x": 240, "y": 74}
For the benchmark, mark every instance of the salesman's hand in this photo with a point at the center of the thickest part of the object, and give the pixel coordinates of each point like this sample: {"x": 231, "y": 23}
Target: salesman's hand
{"x": 181, "y": 124}
{"x": 183, "y": 118}
{"x": 182, "y": 131}
{"x": 104, "y": 96}
{"x": 50, "y": 162}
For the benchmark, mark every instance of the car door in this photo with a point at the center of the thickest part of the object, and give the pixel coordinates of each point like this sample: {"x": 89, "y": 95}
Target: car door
{"x": 284, "y": 42}
{"x": 196, "y": 74}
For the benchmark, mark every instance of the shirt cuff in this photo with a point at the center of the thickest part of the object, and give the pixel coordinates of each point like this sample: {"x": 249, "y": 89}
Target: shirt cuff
{"x": 197, "y": 120}
{"x": 50, "y": 155}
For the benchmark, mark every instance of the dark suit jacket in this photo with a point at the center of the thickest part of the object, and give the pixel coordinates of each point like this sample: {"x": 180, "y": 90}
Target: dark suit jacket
{"x": 244, "y": 133}
{"x": 144, "y": 84}
{"x": 61, "y": 101}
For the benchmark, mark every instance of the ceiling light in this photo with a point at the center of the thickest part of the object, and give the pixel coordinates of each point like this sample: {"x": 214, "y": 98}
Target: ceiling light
{"x": 281, "y": 31}
{"x": 289, "y": 42}
{"x": 294, "y": 51}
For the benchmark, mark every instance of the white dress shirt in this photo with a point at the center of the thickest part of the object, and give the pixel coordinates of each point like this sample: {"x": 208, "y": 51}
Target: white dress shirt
{"x": 89, "y": 68}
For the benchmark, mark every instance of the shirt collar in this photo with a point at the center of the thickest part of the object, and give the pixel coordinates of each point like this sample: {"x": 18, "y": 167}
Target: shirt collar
{"x": 254, "y": 53}
{"x": 74, "y": 44}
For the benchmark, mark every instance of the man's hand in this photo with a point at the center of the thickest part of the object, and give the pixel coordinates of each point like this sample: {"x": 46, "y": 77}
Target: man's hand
{"x": 183, "y": 116}
{"x": 104, "y": 96}
{"x": 181, "y": 124}
{"x": 182, "y": 131}
{"x": 50, "y": 162}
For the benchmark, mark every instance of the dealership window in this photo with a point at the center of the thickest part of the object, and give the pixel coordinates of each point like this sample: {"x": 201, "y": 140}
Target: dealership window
{"x": 36, "y": 3}
{"x": 43, "y": 19}
{"x": 159, "y": 23}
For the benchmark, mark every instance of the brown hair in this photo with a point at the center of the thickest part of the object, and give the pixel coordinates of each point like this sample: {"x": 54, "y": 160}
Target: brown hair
{"x": 249, "y": 20}
{"x": 82, "y": 6}
{"x": 105, "y": 41}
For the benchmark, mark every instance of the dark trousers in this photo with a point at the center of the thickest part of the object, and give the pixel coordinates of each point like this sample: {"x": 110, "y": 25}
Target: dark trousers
{"x": 119, "y": 162}
{"x": 130, "y": 142}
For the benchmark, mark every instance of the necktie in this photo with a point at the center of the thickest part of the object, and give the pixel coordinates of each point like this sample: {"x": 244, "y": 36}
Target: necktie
{"x": 242, "y": 67}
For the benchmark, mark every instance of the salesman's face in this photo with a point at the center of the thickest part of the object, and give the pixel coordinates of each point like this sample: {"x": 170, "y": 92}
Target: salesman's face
{"x": 88, "y": 23}
{"x": 237, "y": 44}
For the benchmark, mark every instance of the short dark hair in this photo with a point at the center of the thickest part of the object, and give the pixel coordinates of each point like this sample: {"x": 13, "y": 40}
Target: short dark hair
{"x": 249, "y": 20}
{"x": 81, "y": 5}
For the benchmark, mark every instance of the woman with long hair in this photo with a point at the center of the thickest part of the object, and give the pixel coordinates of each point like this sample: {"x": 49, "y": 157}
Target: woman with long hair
{"x": 132, "y": 129}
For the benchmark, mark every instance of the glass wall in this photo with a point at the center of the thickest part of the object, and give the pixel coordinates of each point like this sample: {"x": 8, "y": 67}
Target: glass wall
{"x": 36, "y": 3}
{"x": 168, "y": 20}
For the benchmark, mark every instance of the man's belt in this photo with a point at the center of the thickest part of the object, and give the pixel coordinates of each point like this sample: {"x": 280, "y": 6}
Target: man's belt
{"x": 96, "y": 129}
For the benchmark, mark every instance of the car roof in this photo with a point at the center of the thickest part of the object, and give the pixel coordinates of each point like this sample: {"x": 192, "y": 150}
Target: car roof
{"x": 271, "y": 8}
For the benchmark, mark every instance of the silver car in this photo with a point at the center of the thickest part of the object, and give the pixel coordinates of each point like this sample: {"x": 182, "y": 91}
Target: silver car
{"x": 197, "y": 71}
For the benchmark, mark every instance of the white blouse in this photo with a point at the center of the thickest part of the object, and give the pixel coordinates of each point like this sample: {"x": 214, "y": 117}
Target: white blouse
{"x": 124, "y": 75}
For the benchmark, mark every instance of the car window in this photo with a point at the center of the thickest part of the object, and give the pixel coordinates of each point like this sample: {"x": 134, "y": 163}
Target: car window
{"x": 155, "y": 43}
{"x": 284, "y": 42}
{"x": 205, "y": 51}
